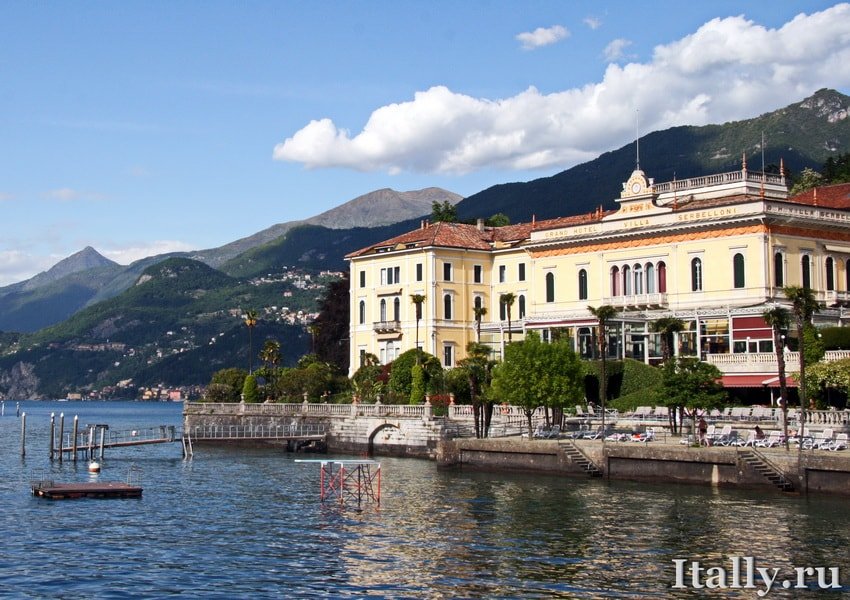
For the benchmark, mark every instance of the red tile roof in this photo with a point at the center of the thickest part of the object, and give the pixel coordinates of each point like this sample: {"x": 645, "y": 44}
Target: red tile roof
{"x": 828, "y": 196}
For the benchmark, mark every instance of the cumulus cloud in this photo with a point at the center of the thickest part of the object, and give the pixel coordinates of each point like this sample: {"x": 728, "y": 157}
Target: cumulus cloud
{"x": 614, "y": 51}
{"x": 729, "y": 69}
{"x": 592, "y": 22}
{"x": 542, "y": 36}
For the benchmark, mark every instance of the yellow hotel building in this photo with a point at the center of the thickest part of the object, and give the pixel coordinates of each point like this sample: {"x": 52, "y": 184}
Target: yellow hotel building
{"x": 714, "y": 251}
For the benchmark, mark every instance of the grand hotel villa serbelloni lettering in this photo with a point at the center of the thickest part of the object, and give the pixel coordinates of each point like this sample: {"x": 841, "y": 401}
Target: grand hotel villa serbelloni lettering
{"x": 713, "y": 251}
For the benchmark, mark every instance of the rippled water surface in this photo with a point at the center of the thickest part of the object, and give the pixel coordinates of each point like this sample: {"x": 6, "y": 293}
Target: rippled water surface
{"x": 248, "y": 523}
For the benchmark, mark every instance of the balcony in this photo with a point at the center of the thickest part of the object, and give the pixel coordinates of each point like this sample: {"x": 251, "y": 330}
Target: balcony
{"x": 833, "y": 298}
{"x": 637, "y": 301}
{"x": 386, "y": 326}
{"x": 764, "y": 362}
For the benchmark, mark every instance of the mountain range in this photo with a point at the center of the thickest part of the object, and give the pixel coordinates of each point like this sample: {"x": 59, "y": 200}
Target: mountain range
{"x": 86, "y": 299}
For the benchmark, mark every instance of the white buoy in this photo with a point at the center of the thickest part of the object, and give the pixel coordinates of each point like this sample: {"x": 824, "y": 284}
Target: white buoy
{"x": 94, "y": 467}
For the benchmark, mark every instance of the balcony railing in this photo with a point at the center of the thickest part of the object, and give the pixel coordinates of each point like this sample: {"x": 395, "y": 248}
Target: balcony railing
{"x": 764, "y": 362}
{"x": 386, "y": 326}
{"x": 637, "y": 301}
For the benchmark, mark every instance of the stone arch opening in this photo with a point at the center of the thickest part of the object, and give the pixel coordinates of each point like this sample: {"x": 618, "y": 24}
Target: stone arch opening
{"x": 370, "y": 450}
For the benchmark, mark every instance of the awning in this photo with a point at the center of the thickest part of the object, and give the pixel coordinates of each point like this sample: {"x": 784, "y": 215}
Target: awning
{"x": 755, "y": 381}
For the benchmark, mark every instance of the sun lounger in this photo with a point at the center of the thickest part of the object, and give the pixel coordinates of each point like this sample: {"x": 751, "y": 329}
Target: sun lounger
{"x": 839, "y": 443}
{"x": 772, "y": 440}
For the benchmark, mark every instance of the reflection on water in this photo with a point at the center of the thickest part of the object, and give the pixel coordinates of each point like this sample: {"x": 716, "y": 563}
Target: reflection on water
{"x": 243, "y": 522}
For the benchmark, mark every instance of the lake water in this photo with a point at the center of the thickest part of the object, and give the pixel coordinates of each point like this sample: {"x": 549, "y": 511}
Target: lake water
{"x": 239, "y": 523}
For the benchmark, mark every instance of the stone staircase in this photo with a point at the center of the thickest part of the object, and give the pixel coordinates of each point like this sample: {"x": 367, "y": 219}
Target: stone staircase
{"x": 759, "y": 463}
{"x": 579, "y": 458}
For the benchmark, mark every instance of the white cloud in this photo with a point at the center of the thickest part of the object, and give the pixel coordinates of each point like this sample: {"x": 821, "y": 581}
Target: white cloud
{"x": 542, "y": 36}
{"x": 728, "y": 69}
{"x": 64, "y": 194}
{"x": 592, "y": 22}
{"x": 16, "y": 265}
{"x": 614, "y": 51}
{"x": 4, "y": 197}
{"x": 125, "y": 255}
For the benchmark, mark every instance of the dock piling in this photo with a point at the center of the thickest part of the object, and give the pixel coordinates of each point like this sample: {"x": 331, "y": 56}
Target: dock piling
{"x": 24, "y": 434}
{"x": 52, "y": 433}
{"x": 74, "y": 441}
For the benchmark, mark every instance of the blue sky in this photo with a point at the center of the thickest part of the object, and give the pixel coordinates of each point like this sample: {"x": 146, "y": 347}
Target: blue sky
{"x": 144, "y": 127}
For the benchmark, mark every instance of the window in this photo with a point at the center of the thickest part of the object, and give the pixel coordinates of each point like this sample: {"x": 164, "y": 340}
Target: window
{"x": 362, "y": 278}
{"x": 650, "y": 278}
{"x": 383, "y": 309}
{"x": 418, "y": 307}
{"x": 638, "y": 279}
{"x": 738, "y": 270}
{"x": 362, "y": 356}
{"x": 521, "y": 274}
{"x": 807, "y": 271}
{"x": 502, "y": 271}
{"x": 448, "y": 356}
{"x": 362, "y": 312}
{"x": 696, "y": 275}
{"x": 476, "y": 273}
{"x": 615, "y": 281}
{"x": 447, "y": 306}
{"x": 779, "y": 269}
{"x": 830, "y": 273}
{"x": 847, "y": 275}
{"x": 478, "y": 302}
{"x": 447, "y": 271}
{"x": 550, "y": 287}
{"x": 662, "y": 278}
{"x": 503, "y": 311}
{"x": 390, "y": 275}
{"x": 627, "y": 281}
{"x": 521, "y": 306}
{"x": 582, "y": 284}
{"x": 418, "y": 271}
{"x": 397, "y": 309}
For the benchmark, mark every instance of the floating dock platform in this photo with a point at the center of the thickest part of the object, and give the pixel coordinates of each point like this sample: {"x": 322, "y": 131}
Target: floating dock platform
{"x": 64, "y": 491}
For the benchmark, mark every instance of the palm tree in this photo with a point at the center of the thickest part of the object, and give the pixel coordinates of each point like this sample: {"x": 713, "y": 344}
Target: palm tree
{"x": 603, "y": 315}
{"x": 270, "y": 354}
{"x": 508, "y": 300}
{"x": 778, "y": 319}
{"x": 803, "y": 306}
{"x": 667, "y": 326}
{"x": 480, "y": 312}
{"x": 250, "y": 318}
{"x": 417, "y": 300}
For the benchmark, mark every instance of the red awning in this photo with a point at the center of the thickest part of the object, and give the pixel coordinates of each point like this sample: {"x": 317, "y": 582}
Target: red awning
{"x": 755, "y": 381}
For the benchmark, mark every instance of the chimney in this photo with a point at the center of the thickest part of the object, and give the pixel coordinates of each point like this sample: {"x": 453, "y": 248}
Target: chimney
{"x": 480, "y": 224}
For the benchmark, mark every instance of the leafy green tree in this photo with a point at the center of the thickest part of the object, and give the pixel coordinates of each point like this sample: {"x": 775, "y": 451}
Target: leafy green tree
{"x": 417, "y": 384}
{"x": 507, "y": 300}
{"x": 231, "y": 379}
{"x": 807, "y": 180}
{"x": 690, "y": 384}
{"x": 331, "y": 325}
{"x": 803, "y": 306}
{"x": 250, "y": 393}
{"x": 603, "y": 315}
{"x": 366, "y": 381}
{"x": 535, "y": 374}
{"x": 837, "y": 169}
{"x": 401, "y": 378}
{"x": 443, "y": 211}
{"x": 833, "y": 375}
{"x": 498, "y": 220}
{"x": 779, "y": 320}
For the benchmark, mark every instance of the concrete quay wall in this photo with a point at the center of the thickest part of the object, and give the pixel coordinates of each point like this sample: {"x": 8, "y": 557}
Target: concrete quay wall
{"x": 814, "y": 471}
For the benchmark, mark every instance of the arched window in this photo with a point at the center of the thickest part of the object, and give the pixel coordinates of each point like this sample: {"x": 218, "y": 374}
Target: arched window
{"x": 550, "y": 287}
{"x": 396, "y": 310}
{"x": 627, "y": 281}
{"x": 638, "y": 279}
{"x": 830, "y": 273}
{"x": 738, "y": 270}
{"x": 582, "y": 284}
{"x": 650, "y": 278}
{"x": 807, "y": 272}
{"x": 696, "y": 275}
{"x": 847, "y": 276}
{"x": 447, "y": 306}
{"x": 362, "y": 312}
{"x": 615, "y": 281}
{"x": 503, "y": 311}
{"x": 521, "y": 306}
{"x": 779, "y": 269}
{"x": 478, "y": 302}
{"x": 383, "y": 309}
{"x": 662, "y": 278}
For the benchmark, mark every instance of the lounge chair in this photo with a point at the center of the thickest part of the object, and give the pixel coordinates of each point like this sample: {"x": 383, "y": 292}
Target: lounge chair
{"x": 839, "y": 443}
{"x": 750, "y": 441}
{"x": 772, "y": 440}
{"x": 554, "y": 432}
{"x": 824, "y": 440}
{"x": 592, "y": 435}
{"x": 722, "y": 438}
